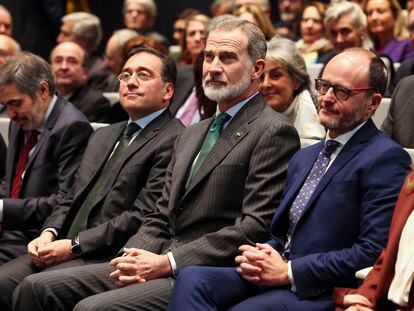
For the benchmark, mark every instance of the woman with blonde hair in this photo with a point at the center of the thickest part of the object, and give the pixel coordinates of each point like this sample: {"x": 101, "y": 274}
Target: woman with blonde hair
{"x": 386, "y": 26}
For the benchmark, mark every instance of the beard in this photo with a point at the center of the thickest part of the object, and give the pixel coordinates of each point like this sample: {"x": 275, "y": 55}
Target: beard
{"x": 341, "y": 122}
{"x": 223, "y": 93}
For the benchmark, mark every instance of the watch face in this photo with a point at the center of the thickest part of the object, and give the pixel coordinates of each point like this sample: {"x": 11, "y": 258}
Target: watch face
{"x": 76, "y": 250}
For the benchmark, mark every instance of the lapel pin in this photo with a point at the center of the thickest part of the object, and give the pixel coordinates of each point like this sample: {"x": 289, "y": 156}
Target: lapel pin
{"x": 238, "y": 134}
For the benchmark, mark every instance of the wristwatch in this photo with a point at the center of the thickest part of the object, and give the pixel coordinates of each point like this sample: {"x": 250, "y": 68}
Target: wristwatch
{"x": 76, "y": 248}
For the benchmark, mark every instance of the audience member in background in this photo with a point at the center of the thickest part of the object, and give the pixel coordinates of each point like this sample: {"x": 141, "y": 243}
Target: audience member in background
{"x": 335, "y": 214}
{"x": 221, "y": 7}
{"x": 140, "y": 15}
{"x": 179, "y": 31}
{"x": 264, "y": 5}
{"x": 389, "y": 285}
{"x": 40, "y": 21}
{"x": 85, "y": 29}
{"x": 68, "y": 60}
{"x": 290, "y": 12}
{"x": 346, "y": 26}
{"x": 285, "y": 86}
{"x": 407, "y": 67}
{"x": 387, "y": 28}
{"x": 3, "y": 157}
{"x": 220, "y": 190}
{"x": 47, "y": 137}
{"x": 398, "y": 123}
{"x": 113, "y": 52}
{"x": 8, "y": 47}
{"x": 313, "y": 43}
{"x": 255, "y": 15}
{"x": 116, "y": 184}
{"x": 6, "y": 22}
{"x": 194, "y": 37}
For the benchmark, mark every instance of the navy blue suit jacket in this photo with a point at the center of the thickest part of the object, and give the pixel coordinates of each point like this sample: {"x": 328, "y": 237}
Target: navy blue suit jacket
{"x": 346, "y": 222}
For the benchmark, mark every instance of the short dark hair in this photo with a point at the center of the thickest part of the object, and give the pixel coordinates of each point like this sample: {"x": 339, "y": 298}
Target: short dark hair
{"x": 378, "y": 75}
{"x": 28, "y": 72}
{"x": 169, "y": 68}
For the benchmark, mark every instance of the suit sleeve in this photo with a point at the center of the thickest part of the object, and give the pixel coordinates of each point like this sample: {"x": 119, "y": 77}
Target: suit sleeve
{"x": 112, "y": 235}
{"x": 387, "y": 125}
{"x": 31, "y": 212}
{"x": 380, "y": 183}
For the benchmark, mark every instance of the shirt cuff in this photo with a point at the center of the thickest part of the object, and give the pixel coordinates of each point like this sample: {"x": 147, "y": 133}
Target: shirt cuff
{"x": 290, "y": 276}
{"x": 1, "y": 211}
{"x": 53, "y": 230}
{"x": 173, "y": 263}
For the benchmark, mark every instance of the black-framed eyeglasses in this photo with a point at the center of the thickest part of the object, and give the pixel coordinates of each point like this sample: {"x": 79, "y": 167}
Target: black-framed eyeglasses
{"x": 142, "y": 76}
{"x": 340, "y": 92}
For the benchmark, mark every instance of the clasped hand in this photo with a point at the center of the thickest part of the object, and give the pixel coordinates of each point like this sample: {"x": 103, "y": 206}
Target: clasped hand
{"x": 138, "y": 266}
{"x": 262, "y": 265}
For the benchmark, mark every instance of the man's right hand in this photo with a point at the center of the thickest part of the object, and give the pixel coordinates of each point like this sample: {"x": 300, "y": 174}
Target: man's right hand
{"x": 45, "y": 238}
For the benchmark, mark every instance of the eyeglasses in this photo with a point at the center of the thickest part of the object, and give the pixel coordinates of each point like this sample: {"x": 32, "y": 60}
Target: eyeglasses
{"x": 340, "y": 92}
{"x": 142, "y": 76}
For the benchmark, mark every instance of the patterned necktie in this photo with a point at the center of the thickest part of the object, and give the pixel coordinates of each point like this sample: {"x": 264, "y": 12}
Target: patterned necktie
{"x": 210, "y": 139}
{"x": 80, "y": 222}
{"x": 21, "y": 165}
{"x": 312, "y": 181}
{"x": 190, "y": 110}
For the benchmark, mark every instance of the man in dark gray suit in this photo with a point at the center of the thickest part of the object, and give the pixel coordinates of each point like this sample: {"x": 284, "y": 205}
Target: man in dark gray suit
{"x": 112, "y": 198}
{"x": 398, "y": 123}
{"x": 222, "y": 186}
{"x": 47, "y": 137}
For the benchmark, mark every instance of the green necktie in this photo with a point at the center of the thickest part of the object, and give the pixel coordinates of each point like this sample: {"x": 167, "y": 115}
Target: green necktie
{"x": 80, "y": 222}
{"x": 210, "y": 139}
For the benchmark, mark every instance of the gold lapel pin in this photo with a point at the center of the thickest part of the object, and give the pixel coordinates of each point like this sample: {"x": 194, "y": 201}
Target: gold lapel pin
{"x": 238, "y": 134}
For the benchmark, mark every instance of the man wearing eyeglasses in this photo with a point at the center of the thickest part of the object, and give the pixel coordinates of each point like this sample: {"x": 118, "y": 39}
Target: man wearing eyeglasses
{"x": 336, "y": 210}
{"x": 120, "y": 177}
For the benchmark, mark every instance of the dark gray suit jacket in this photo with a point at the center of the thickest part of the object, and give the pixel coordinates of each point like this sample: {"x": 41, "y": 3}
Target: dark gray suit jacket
{"x": 92, "y": 103}
{"x": 50, "y": 171}
{"x": 183, "y": 87}
{"x": 131, "y": 190}
{"x": 399, "y": 122}
{"x": 232, "y": 197}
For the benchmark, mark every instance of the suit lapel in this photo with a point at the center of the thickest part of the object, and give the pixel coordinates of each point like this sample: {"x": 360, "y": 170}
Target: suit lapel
{"x": 237, "y": 129}
{"x": 350, "y": 150}
{"x": 148, "y": 133}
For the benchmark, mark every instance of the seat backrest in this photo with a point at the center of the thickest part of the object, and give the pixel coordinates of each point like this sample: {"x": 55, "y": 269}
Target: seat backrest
{"x": 4, "y": 129}
{"x": 381, "y": 112}
{"x": 113, "y": 97}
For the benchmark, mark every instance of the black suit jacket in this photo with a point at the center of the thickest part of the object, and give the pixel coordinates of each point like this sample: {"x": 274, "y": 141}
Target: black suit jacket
{"x": 232, "y": 197}
{"x": 50, "y": 170}
{"x": 131, "y": 190}
{"x": 92, "y": 103}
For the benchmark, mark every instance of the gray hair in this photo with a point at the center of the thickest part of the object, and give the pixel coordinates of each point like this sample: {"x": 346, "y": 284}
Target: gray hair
{"x": 86, "y": 26}
{"x": 217, "y": 3}
{"x": 149, "y": 4}
{"x": 28, "y": 72}
{"x": 256, "y": 42}
{"x": 123, "y": 35}
{"x": 358, "y": 18}
{"x": 285, "y": 51}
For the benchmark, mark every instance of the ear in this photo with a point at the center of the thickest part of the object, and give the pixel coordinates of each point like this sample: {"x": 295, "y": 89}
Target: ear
{"x": 44, "y": 91}
{"x": 169, "y": 91}
{"x": 258, "y": 69}
{"x": 376, "y": 100}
